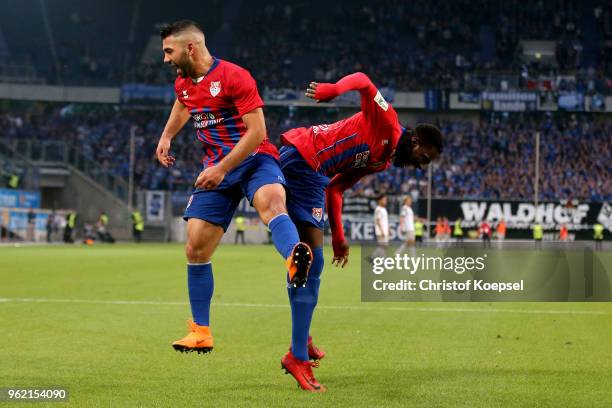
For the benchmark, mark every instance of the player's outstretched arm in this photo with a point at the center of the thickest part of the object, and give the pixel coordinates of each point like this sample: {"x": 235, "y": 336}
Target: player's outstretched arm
{"x": 333, "y": 202}
{"x": 255, "y": 134}
{"x": 178, "y": 117}
{"x": 324, "y": 92}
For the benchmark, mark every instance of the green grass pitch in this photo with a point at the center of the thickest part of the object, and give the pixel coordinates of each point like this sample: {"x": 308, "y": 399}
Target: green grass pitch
{"x": 116, "y": 309}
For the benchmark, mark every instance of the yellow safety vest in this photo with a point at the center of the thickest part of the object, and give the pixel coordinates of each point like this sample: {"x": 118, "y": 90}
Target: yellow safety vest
{"x": 598, "y": 230}
{"x": 71, "y": 220}
{"x": 240, "y": 223}
{"x": 418, "y": 229}
{"x": 457, "y": 230}
{"x": 538, "y": 233}
{"x": 13, "y": 181}
{"x": 138, "y": 221}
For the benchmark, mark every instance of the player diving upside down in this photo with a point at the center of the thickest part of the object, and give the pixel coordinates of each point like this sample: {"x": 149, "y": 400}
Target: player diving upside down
{"x": 239, "y": 161}
{"x": 319, "y": 164}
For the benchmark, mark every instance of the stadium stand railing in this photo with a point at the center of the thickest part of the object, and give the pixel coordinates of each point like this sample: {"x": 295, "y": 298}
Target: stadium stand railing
{"x": 50, "y": 152}
{"x": 12, "y": 162}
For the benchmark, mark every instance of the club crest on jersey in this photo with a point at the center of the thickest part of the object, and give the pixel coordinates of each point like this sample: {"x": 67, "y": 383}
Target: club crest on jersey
{"x": 215, "y": 88}
{"x": 185, "y": 96}
{"x": 361, "y": 159}
{"x": 317, "y": 214}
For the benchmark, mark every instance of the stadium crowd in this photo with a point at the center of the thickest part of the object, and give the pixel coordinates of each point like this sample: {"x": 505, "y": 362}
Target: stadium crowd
{"x": 494, "y": 159}
{"x": 407, "y": 45}
{"x": 421, "y": 45}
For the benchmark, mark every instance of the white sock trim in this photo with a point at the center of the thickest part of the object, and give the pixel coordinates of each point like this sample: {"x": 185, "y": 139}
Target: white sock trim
{"x": 275, "y": 217}
{"x": 199, "y": 264}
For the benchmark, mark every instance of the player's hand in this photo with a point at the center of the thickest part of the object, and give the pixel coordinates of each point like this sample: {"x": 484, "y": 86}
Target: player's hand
{"x": 210, "y": 178}
{"x": 321, "y": 92}
{"x": 163, "y": 152}
{"x": 341, "y": 254}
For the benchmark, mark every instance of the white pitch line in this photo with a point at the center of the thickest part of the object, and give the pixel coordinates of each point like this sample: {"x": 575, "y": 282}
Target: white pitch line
{"x": 329, "y": 307}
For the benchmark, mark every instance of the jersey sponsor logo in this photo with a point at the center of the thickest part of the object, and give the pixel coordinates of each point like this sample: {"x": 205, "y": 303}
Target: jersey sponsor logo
{"x": 215, "y": 88}
{"x": 205, "y": 119}
{"x": 317, "y": 213}
{"x": 361, "y": 159}
{"x": 381, "y": 101}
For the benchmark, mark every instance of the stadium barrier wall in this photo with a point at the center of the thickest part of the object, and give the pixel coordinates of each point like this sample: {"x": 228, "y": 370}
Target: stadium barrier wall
{"x": 89, "y": 199}
{"x": 15, "y": 219}
{"x": 429, "y": 100}
{"x": 58, "y": 93}
{"x": 256, "y": 232}
{"x": 520, "y": 216}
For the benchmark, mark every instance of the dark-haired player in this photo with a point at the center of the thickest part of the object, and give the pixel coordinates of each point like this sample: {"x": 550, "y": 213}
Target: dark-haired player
{"x": 322, "y": 161}
{"x": 239, "y": 161}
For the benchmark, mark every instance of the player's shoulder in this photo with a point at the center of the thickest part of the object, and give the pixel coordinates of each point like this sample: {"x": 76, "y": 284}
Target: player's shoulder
{"x": 230, "y": 67}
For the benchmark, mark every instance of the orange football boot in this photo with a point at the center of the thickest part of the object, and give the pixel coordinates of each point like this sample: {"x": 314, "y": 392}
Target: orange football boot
{"x": 302, "y": 372}
{"x": 199, "y": 339}
{"x": 298, "y": 264}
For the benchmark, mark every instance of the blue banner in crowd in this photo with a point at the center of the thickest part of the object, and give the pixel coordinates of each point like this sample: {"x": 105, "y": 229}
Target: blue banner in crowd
{"x": 18, "y": 220}
{"x": 142, "y": 92}
{"x": 19, "y": 198}
{"x": 282, "y": 94}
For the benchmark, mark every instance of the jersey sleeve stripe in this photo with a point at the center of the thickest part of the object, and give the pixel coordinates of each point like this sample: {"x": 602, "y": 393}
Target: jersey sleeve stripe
{"x": 343, "y": 140}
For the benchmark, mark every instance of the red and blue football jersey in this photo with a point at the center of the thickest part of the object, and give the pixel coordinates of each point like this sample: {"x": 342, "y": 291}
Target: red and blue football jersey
{"x": 363, "y": 142}
{"x": 216, "y": 103}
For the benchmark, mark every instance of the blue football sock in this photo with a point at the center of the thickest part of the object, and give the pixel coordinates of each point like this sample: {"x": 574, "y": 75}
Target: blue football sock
{"x": 201, "y": 286}
{"x": 303, "y": 302}
{"x": 284, "y": 234}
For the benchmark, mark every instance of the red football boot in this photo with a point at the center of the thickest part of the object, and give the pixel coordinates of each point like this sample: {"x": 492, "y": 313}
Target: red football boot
{"x": 314, "y": 353}
{"x": 302, "y": 372}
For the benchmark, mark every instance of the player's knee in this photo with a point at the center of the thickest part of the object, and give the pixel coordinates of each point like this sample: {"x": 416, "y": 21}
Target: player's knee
{"x": 196, "y": 253}
{"x": 276, "y": 206}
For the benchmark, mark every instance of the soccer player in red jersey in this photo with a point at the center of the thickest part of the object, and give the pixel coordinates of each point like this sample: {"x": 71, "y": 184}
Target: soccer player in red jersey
{"x": 320, "y": 163}
{"x": 239, "y": 161}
